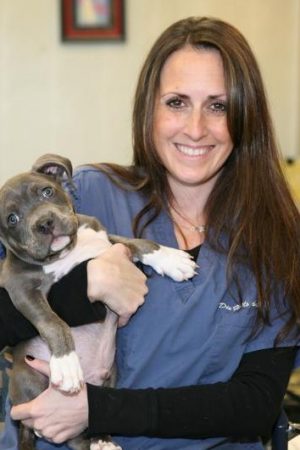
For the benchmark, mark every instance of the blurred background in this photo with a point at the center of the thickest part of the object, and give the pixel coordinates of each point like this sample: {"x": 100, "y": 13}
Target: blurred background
{"x": 76, "y": 98}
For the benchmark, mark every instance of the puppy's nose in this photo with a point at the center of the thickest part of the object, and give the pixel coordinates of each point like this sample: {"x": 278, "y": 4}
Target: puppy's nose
{"x": 46, "y": 226}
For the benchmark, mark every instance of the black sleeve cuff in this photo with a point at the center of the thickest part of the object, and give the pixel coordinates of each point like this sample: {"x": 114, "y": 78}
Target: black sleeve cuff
{"x": 68, "y": 298}
{"x": 13, "y": 325}
{"x": 121, "y": 411}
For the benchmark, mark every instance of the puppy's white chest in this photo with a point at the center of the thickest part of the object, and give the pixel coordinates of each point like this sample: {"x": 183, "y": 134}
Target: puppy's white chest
{"x": 90, "y": 244}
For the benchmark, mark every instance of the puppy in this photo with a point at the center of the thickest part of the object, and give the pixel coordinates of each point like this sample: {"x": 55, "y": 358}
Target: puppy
{"x": 44, "y": 240}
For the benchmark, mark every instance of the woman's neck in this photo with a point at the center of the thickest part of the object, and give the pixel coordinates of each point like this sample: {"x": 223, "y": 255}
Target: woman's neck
{"x": 186, "y": 210}
{"x": 190, "y": 200}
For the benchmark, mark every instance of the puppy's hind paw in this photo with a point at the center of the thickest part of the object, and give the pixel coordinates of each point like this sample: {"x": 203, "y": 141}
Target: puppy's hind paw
{"x": 104, "y": 445}
{"x": 177, "y": 264}
{"x": 66, "y": 372}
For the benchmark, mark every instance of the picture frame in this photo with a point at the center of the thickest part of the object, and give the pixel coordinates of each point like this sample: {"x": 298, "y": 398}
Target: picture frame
{"x": 92, "y": 20}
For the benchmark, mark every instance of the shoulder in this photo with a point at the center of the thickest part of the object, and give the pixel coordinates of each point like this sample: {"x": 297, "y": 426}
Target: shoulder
{"x": 93, "y": 189}
{"x": 96, "y": 194}
{"x": 119, "y": 178}
{"x": 85, "y": 176}
{"x": 90, "y": 182}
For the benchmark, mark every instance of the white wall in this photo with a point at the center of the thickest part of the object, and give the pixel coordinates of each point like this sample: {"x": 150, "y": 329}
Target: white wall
{"x": 76, "y": 99}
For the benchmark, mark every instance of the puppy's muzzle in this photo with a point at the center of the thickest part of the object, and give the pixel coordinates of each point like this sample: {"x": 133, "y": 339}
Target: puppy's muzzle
{"x": 45, "y": 226}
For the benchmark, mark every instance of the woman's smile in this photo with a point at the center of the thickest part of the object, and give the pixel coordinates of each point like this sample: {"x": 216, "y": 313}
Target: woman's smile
{"x": 200, "y": 150}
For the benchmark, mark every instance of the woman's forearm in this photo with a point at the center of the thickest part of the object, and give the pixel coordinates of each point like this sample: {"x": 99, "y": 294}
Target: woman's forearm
{"x": 13, "y": 325}
{"x": 247, "y": 405}
{"x": 69, "y": 300}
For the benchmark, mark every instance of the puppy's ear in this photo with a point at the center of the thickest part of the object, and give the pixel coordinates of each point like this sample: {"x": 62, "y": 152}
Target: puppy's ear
{"x": 54, "y": 165}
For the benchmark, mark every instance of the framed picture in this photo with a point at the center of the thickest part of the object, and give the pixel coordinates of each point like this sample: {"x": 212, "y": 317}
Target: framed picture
{"x": 92, "y": 20}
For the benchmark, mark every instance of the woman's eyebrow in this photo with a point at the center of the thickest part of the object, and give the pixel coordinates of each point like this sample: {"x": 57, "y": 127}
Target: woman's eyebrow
{"x": 216, "y": 96}
{"x": 186, "y": 96}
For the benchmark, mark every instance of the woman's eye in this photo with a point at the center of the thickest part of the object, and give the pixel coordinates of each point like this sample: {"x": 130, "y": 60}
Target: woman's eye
{"x": 48, "y": 192}
{"x": 175, "y": 103}
{"x": 219, "y": 107}
{"x": 13, "y": 219}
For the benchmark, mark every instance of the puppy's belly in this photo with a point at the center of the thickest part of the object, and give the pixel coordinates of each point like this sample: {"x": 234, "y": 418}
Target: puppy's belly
{"x": 94, "y": 344}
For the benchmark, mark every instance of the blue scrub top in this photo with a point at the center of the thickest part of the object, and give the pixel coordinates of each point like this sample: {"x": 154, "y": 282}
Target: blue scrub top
{"x": 188, "y": 333}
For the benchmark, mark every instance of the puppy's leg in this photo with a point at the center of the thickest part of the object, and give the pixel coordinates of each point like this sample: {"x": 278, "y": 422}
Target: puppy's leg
{"x": 177, "y": 264}
{"x": 26, "y": 438}
{"x": 65, "y": 367}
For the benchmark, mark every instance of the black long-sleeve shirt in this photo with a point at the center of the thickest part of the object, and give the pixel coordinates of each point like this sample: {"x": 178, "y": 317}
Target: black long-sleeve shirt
{"x": 247, "y": 405}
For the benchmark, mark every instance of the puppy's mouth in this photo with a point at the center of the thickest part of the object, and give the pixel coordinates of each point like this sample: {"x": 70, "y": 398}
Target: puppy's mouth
{"x": 42, "y": 253}
{"x": 60, "y": 243}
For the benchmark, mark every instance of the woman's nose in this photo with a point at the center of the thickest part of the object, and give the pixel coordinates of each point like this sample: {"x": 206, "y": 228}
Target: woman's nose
{"x": 196, "y": 126}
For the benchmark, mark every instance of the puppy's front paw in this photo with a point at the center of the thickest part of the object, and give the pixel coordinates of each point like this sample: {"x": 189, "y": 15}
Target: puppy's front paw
{"x": 104, "y": 445}
{"x": 177, "y": 264}
{"x": 66, "y": 372}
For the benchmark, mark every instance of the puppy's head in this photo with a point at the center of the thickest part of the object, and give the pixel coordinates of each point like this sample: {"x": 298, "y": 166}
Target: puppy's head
{"x": 37, "y": 220}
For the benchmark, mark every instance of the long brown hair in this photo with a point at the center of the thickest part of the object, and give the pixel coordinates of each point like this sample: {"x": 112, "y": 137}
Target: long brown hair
{"x": 250, "y": 203}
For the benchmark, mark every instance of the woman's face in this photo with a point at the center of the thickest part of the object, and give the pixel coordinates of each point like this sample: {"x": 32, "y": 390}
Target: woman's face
{"x": 190, "y": 117}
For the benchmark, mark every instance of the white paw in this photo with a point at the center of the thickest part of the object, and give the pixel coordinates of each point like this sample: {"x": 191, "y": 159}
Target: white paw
{"x": 177, "y": 264}
{"x": 66, "y": 372}
{"x": 103, "y": 445}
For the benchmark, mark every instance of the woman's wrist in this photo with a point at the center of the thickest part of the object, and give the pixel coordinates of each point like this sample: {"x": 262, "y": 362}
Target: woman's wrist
{"x": 69, "y": 299}
{"x": 117, "y": 281}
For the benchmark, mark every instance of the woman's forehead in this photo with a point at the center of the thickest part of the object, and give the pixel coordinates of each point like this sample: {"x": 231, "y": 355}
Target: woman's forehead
{"x": 193, "y": 68}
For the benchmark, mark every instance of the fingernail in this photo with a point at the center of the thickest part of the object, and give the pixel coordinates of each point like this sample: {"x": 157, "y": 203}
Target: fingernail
{"x": 29, "y": 357}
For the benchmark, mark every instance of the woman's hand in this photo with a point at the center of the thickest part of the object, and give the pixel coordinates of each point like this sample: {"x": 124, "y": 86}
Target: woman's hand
{"x": 115, "y": 280}
{"x": 54, "y": 415}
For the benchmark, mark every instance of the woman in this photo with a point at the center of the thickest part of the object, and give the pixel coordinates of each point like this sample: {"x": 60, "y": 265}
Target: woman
{"x": 203, "y": 364}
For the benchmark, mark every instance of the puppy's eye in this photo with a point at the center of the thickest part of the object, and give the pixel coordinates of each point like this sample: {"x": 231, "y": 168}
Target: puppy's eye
{"x": 48, "y": 192}
{"x": 13, "y": 219}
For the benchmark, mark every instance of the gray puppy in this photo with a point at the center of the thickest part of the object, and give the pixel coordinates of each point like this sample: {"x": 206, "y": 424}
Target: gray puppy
{"x": 44, "y": 240}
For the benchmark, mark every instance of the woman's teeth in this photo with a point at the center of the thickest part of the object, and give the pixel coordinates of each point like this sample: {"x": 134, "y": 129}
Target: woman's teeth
{"x": 199, "y": 151}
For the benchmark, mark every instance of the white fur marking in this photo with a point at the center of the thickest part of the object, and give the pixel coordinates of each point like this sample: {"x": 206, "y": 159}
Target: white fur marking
{"x": 102, "y": 445}
{"x": 90, "y": 244}
{"x": 177, "y": 264}
{"x": 66, "y": 372}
